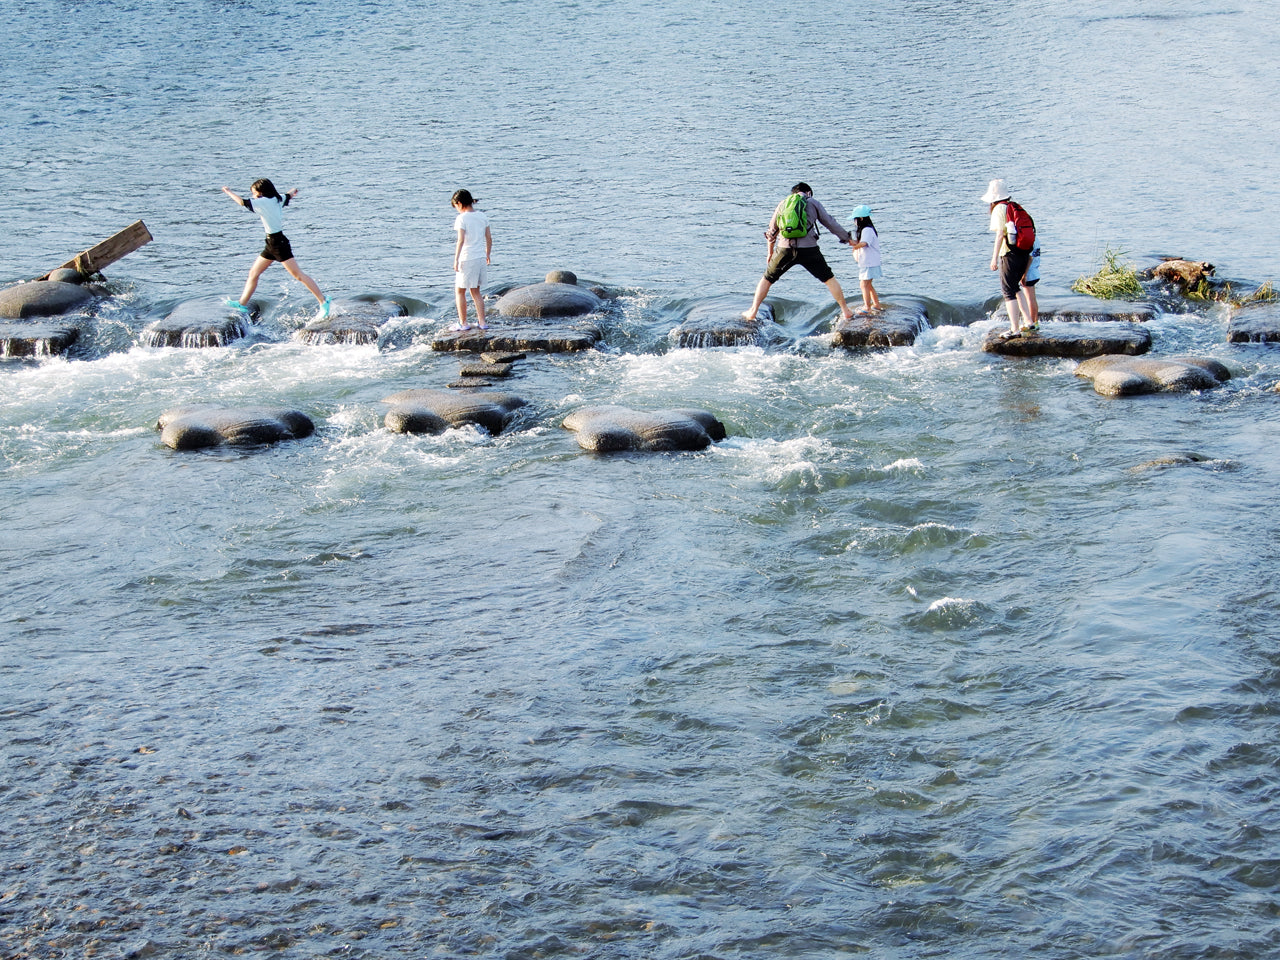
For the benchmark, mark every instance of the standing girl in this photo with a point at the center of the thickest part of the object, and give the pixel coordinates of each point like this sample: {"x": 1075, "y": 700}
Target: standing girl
{"x": 470, "y": 264}
{"x": 269, "y": 205}
{"x": 866, "y": 250}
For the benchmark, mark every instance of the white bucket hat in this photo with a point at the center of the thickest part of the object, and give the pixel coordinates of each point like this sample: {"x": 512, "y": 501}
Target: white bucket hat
{"x": 995, "y": 191}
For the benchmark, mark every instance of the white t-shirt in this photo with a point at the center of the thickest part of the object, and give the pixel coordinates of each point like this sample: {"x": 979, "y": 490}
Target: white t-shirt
{"x": 868, "y": 256}
{"x": 472, "y": 224}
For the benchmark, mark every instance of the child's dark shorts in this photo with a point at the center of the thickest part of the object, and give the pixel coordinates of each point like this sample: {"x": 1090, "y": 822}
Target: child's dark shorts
{"x": 1013, "y": 267}
{"x": 811, "y": 258}
{"x": 277, "y": 248}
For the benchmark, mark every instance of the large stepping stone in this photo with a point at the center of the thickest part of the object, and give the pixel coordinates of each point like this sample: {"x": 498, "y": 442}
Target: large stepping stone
{"x": 896, "y": 325}
{"x": 1116, "y": 375}
{"x": 722, "y": 325}
{"x": 434, "y": 411}
{"x": 1255, "y": 323}
{"x": 1072, "y": 340}
{"x": 197, "y": 323}
{"x": 196, "y": 427}
{"x": 36, "y": 338}
{"x": 352, "y": 322}
{"x": 549, "y": 299}
{"x": 42, "y": 298}
{"x": 608, "y": 428}
{"x": 536, "y": 336}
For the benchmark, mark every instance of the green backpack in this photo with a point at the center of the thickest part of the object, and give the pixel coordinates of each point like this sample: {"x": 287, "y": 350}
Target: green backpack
{"x": 793, "y": 218}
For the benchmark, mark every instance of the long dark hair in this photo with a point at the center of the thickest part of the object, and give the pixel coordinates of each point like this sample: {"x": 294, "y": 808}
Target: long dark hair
{"x": 266, "y": 188}
{"x": 863, "y": 223}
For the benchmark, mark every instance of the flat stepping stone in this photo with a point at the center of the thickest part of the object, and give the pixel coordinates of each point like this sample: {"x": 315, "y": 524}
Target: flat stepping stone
{"x": 501, "y": 357}
{"x": 1116, "y": 375}
{"x": 351, "y": 322}
{"x": 42, "y": 298}
{"x": 604, "y": 429}
{"x": 1072, "y": 340}
{"x": 197, "y": 427}
{"x": 541, "y": 337}
{"x": 435, "y": 411}
{"x": 1084, "y": 309}
{"x": 549, "y": 300}
{"x": 1256, "y": 323}
{"x": 498, "y": 370}
{"x": 896, "y": 325}
{"x": 36, "y": 338}
{"x": 198, "y": 323}
{"x": 722, "y": 325}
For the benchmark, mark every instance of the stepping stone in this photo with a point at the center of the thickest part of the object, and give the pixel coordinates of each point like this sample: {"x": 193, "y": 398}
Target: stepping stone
{"x": 499, "y": 370}
{"x": 897, "y": 325}
{"x": 42, "y": 298}
{"x": 36, "y": 338}
{"x": 549, "y": 300}
{"x": 1255, "y": 323}
{"x": 722, "y": 325}
{"x": 1116, "y": 375}
{"x": 434, "y": 411}
{"x": 353, "y": 322}
{"x": 192, "y": 428}
{"x": 198, "y": 323}
{"x": 1072, "y": 340}
{"x": 501, "y": 357}
{"x": 1084, "y": 309}
{"x": 543, "y": 337}
{"x": 608, "y": 428}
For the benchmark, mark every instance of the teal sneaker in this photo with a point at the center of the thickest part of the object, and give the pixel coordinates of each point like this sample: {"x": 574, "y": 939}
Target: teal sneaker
{"x": 323, "y": 312}
{"x": 237, "y": 306}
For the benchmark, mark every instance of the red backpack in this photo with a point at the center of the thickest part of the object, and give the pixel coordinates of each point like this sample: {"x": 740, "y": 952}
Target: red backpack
{"x": 1024, "y": 236}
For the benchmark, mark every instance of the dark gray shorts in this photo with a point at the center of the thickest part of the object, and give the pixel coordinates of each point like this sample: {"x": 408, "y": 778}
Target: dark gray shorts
{"x": 811, "y": 258}
{"x": 277, "y": 248}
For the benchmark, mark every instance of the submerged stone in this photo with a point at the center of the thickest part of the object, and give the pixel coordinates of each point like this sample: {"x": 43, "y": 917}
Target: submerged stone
{"x": 1255, "y": 323}
{"x": 1080, "y": 339}
{"x": 197, "y": 323}
{"x": 896, "y": 325}
{"x": 1115, "y": 375}
{"x": 352, "y": 322}
{"x": 549, "y": 300}
{"x": 42, "y": 298}
{"x": 36, "y": 338}
{"x": 722, "y": 325}
{"x": 608, "y": 428}
{"x": 192, "y": 428}
{"x": 434, "y": 411}
{"x": 1183, "y": 274}
{"x": 537, "y": 336}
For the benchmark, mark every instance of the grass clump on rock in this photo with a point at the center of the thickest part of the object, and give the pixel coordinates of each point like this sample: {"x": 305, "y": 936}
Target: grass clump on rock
{"x": 1115, "y": 281}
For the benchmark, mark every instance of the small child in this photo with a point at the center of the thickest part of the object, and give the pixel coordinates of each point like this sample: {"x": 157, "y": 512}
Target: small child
{"x": 866, "y": 250}
{"x": 470, "y": 271}
{"x": 270, "y": 207}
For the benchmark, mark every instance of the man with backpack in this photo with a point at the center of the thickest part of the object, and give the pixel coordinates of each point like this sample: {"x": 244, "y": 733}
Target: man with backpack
{"x": 793, "y": 239}
{"x": 1015, "y": 240}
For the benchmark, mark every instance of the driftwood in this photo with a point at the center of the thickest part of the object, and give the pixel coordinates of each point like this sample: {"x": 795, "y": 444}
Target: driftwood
{"x": 104, "y": 254}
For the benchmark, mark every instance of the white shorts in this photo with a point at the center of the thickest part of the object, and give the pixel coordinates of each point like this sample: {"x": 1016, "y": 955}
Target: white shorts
{"x": 471, "y": 274}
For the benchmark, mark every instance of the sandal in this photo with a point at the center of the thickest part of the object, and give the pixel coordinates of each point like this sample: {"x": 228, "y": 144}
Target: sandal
{"x": 459, "y": 328}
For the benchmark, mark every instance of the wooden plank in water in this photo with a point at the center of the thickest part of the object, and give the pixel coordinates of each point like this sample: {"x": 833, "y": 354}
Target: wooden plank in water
{"x": 114, "y": 248}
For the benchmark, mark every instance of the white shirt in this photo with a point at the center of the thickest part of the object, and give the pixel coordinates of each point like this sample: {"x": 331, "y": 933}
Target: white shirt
{"x": 472, "y": 224}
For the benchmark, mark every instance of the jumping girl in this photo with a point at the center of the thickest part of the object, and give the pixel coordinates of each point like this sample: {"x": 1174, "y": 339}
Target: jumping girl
{"x": 269, "y": 205}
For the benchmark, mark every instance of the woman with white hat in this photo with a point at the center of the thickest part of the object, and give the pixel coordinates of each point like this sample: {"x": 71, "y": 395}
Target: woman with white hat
{"x": 1011, "y": 261}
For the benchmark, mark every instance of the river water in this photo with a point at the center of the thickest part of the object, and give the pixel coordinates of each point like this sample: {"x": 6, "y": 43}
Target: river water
{"x": 938, "y": 654}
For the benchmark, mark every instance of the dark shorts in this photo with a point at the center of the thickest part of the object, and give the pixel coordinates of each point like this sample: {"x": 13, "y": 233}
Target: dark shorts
{"x": 1013, "y": 267}
{"x": 811, "y": 258}
{"x": 277, "y": 248}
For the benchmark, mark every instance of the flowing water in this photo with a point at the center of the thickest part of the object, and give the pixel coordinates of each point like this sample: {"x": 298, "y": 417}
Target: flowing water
{"x": 938, "y": 654}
